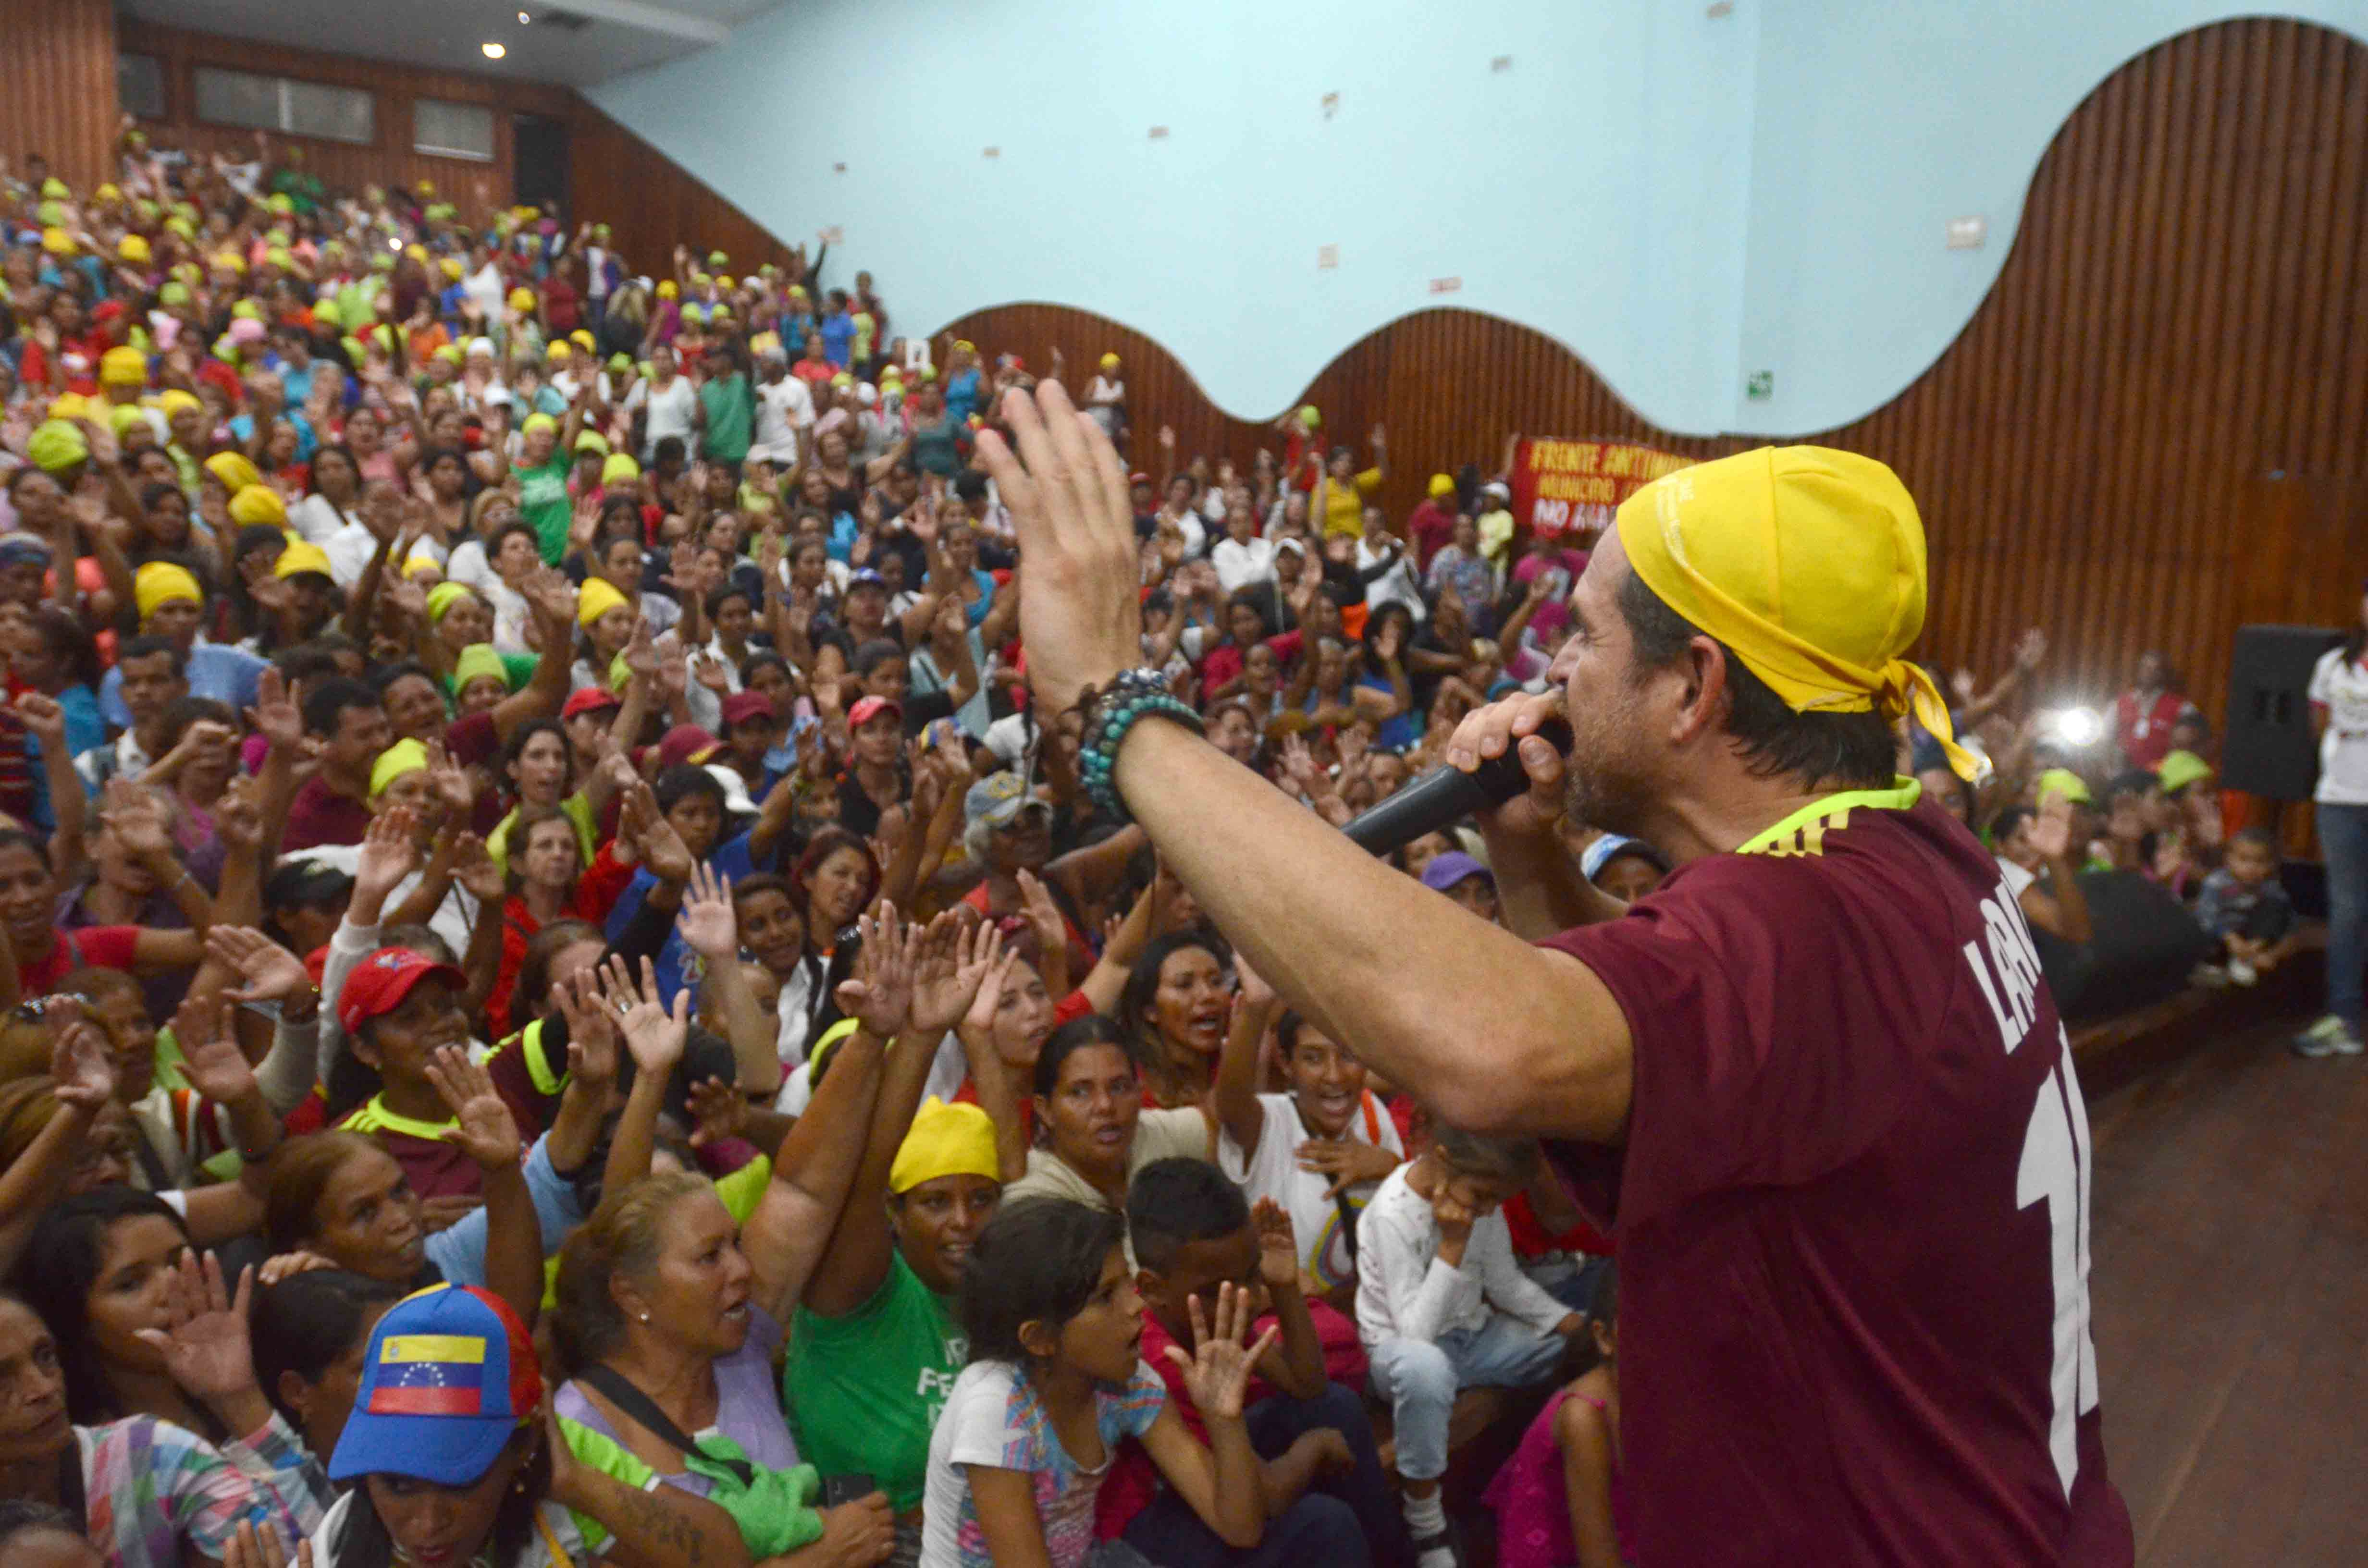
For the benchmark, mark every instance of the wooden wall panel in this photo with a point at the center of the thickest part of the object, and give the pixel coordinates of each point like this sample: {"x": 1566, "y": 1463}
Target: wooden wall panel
{"x": 57, "y": 86}
{"x": 476, "y": 189}
{"x": 650, "y": 205}
{"x": 613, "y": 177}
{"x": 2111, "y": 449}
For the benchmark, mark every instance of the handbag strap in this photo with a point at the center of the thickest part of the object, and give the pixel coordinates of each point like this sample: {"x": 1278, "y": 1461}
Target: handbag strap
{"x": 620, "y": 1392}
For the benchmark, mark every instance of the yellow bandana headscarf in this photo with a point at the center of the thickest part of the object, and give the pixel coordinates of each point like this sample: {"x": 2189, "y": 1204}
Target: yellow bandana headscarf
{"x": 1809, "y": 564}
{"x": 233, "y": 471}
{"x": 945, "y": 1140}
{"x": 403, "y": 756}
{"x": 258, "y": 505}
{"x": 160, "y": 582}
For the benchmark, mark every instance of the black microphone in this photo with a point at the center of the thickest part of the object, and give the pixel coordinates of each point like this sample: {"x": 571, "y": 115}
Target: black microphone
{"x": 1445, "y": 796}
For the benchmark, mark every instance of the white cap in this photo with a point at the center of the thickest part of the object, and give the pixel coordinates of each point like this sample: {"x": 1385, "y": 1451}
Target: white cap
{"x": 477, "y": 345}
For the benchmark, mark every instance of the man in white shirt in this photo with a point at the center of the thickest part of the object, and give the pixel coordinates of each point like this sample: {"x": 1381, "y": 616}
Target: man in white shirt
{"x": 784, "y": 411}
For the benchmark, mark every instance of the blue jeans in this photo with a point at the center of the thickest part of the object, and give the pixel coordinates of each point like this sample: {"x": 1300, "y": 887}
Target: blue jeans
{"x": 2343, "y": 838}
{"x": 1420, "y": 1379}
{"x": 1350, "y": 1520}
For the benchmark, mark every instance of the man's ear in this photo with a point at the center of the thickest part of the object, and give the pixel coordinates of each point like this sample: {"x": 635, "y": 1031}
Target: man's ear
{"x": 1704, "y": 699}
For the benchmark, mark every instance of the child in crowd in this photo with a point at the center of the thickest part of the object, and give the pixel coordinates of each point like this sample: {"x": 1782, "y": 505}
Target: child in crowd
{"x": 1561, "y": 1501}
{"x": 1319, "y": 1150}
{"x": 1056, "y": 1379}
{"x": 1442, "y": 1306}
{"x": 1327, "y": 1497}
{"x": 2245, "y": 908}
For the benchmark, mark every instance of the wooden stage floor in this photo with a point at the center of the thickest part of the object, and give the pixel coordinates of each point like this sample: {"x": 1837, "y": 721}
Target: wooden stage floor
{"x": 2230, "y": 1293}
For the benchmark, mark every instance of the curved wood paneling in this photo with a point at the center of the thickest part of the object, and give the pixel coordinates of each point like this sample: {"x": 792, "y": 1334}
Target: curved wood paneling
{"x": 2150, "y": 433}
{"x": 57, "y": 86}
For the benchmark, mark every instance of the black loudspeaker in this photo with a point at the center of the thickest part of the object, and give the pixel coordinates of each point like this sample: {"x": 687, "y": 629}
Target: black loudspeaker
{"x": 2145, "y": 944}
{"x": 2267, "y": 747}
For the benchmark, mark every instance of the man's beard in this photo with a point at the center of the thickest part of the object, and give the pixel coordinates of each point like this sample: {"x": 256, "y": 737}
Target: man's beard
{"x": 1600, "y": 797}
{"x": 1599, "y": 789}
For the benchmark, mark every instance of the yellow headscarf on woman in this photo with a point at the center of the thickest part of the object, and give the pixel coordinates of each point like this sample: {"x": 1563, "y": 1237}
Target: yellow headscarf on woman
{"x": 1809, "y": 564}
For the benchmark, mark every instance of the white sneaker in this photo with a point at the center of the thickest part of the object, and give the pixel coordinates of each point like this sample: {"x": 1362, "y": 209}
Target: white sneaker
{"x": 2329, "y": 1037}
{"x": 2240, "y": 972}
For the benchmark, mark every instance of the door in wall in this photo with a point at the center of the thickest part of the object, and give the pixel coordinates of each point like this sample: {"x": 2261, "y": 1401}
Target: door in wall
{"x": 541, "y": 164}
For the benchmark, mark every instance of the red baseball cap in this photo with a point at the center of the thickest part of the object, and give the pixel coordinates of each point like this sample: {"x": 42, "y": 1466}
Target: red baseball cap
{"x": 586, "y": 699}
{"x": 742, "y": 706}
{"x": 864, "y": 709}
{"x": 380, "y": 983}
{"x": 687, "y": 743}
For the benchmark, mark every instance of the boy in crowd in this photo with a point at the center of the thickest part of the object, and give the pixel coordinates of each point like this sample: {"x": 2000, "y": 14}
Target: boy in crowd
{"x": 1442, "y": 1306}
{"x": 1192, "y": 1232}
{"x": 2245, "y": 907}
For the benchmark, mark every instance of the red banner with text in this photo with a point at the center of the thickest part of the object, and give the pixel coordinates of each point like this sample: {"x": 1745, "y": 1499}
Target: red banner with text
{"x": 1563, "y": 488}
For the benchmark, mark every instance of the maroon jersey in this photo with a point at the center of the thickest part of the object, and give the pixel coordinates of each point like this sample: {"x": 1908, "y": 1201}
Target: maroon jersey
{"x": 1852, "y": 1209}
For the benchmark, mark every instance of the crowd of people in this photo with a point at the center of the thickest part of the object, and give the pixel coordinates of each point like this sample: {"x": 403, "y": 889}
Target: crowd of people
{"x": 564, "y": 1000}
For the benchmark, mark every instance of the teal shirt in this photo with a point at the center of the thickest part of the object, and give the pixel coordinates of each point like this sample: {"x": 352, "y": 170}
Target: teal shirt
{"x": 731, "y": 414}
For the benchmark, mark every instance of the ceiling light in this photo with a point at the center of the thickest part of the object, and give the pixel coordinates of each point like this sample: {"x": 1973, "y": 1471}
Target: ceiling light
{"x": 494, "y": 50}
{"x": 524, "y": 18}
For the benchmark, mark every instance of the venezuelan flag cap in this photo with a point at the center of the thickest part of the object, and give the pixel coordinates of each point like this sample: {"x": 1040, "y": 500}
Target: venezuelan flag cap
{"x": 448, "y": 1380}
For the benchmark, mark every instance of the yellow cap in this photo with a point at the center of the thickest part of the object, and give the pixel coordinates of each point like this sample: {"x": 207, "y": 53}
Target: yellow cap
{"x": 232, "y": 472}
{"x": 559, "y": 349}
{"x": 2065, "y": 784}
{"x": 172, "y": 400}
{"x": 621, "y": 468}
{"x": 132, "y": 248}
{"x": 302, "y": 555}
{"x": 945, "y": 1140}
{"x": 162, "y": 583}
{"x": 1809, "y": 564}
{"x": 57, "y": 446}
{"x": 259, "y": 506}
{"x": 584, "y": 340}
{"x": 403, "y": 756}
{"x": 1110, "y": 361}
{"x": 57, "y": 241}
{"x": 2182, "y": 768}
{"x": 450, "y": 267}
{"x": 667, "y": 290}
{"x": 599, "y": 597}
{"x": 443, "y": 596}
{"x": 535, "y": 422}
{"x": 123, "y": 416}
{"x": 229, "y": 261}
{"x": 122, "y": 367}
{"x": 521, "y": 300}
{"x": 1441, "y": 486}
{"x": 477, "y": 661}
{"x": 591, "y": 441}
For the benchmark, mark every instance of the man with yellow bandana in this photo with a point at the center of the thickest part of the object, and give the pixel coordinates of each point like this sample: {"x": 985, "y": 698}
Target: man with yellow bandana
{"x": 1813, "y": 1080}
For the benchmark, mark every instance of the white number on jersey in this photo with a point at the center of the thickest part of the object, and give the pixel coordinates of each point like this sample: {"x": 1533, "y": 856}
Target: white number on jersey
{"x": 2055, "y": 1171}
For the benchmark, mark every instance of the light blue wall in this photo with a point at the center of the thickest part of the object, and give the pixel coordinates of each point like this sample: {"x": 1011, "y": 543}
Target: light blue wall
{"x": 1680, "y": 198}
{"x": 1876, "y": 123}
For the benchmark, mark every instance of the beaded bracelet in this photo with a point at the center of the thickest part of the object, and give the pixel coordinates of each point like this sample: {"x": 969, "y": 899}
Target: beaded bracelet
{"x": 1112, "y": 712}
